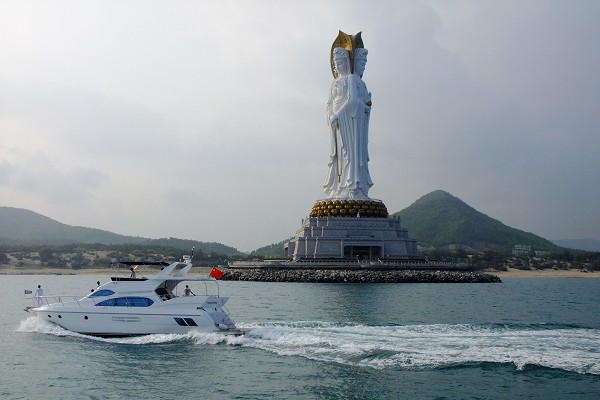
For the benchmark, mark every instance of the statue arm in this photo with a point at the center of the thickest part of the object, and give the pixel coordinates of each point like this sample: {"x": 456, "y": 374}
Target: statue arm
{"x": 331, "y": 115}
{"x": 333, "y": 105}
{"x": 354, "y": 99}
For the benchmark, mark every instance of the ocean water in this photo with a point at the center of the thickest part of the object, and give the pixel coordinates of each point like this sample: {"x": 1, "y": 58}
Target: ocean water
{"x": 521, "y": 339}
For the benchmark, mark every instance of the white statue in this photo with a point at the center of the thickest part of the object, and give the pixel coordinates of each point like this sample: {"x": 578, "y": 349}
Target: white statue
{"x": 348, "y": 112}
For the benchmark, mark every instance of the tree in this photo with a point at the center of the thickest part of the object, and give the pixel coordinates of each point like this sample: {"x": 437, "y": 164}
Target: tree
{"x": 46, "y": 254}
{"x": 596, "y": 263}
{"x": 3, "y": 258}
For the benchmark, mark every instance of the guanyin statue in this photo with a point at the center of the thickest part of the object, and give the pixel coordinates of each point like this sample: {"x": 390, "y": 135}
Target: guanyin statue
{"x": 348, "y": 112}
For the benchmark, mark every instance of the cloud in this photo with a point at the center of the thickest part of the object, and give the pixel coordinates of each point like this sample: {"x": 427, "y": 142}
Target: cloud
{"x": 216, "y": 112}
{"x": 35, "y": 175}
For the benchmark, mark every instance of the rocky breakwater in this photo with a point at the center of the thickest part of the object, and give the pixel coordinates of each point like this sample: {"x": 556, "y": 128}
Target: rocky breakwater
{"x": 357, "y": 276}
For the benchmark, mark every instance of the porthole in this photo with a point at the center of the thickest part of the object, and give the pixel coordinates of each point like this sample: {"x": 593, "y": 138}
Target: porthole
{"x": 49, "y": 316}
{"x": 59, "y": 316}
{"x": 86, "y": 317}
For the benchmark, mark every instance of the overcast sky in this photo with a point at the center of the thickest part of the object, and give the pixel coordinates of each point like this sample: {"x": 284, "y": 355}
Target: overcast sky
{"x": 206, "y": 120}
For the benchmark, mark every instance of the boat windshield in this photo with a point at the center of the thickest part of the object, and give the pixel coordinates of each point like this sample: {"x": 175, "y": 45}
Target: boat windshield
{"x": 102, "y": 292}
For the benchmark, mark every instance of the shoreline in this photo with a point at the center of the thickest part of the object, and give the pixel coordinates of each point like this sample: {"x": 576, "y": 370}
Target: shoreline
{"x": 510, "y": 273}
{"x": 545, "y": 273}
{"x": 90, "y": 271}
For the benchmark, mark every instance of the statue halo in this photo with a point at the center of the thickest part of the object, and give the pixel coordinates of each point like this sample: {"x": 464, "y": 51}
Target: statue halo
{"x": 348, "y": 42}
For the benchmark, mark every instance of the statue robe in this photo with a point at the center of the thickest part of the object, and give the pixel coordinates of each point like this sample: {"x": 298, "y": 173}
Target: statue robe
{"x": 348, "y": 114}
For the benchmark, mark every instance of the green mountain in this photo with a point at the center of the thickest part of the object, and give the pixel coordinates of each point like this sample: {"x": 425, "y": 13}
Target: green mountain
{"x": 439, "y": 219}
{"x": 186, "y": 244}
{"x": 20, "y": 226}
{"x": 274, "y": 250}
{"x": 24, "y": 227}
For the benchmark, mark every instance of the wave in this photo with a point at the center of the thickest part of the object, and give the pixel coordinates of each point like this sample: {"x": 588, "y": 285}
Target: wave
{"x": 35, "y": 324}
{"x": 433, "y": 346}
{"x": 430, "y": 346}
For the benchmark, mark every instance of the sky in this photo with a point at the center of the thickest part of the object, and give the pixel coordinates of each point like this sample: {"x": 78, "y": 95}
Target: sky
{"x": 205, "y": 120}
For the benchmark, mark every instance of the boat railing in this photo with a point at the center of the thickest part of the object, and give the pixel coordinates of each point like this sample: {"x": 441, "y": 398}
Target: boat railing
{"x": 62, "y": 299}
{"x": 207, "y": 291}
{"x": 55, "y": 299}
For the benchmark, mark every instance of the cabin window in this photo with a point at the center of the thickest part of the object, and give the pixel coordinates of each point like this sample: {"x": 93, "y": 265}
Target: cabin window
{"x": 127, "y": 302}
{"x": 185, "y": 321}
{"x": 103, "y": 292}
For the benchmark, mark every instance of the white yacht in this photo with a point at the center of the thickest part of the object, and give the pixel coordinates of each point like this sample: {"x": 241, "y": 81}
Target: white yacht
{"x": 128, "y": 306}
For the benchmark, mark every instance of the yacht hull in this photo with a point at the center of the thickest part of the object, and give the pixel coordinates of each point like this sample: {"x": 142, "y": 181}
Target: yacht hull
{"x": 128, "y": 324}
{"x": 133, "y": 321}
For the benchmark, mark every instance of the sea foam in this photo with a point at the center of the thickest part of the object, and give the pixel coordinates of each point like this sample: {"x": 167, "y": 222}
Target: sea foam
{"x": 407, "y": 347}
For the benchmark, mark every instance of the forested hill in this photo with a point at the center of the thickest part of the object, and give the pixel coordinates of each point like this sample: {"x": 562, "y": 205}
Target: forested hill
{"x": 187, "y": 244}
{"x": 24, "y": 227}
{"x": 20, "y": 226}
{"x": 439, "y": 219}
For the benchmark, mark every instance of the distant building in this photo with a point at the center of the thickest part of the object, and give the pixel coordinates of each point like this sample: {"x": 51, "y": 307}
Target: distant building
{"x": 521, "y": 249}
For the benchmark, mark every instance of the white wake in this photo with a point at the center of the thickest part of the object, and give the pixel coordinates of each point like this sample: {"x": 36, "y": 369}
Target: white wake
{"x": 410, "y": 346}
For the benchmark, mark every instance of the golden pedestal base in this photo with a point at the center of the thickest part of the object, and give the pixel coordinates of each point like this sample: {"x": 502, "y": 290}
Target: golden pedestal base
{"x": 349, "y": 208}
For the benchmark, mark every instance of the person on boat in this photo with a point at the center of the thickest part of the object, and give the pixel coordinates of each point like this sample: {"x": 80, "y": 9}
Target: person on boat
{"x": 132, "y": 273}
{"x": 188, "y": 291}
{"x": 39, "y": 294}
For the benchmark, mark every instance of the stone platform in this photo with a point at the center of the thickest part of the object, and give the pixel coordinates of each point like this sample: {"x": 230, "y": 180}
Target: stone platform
{"x": 351, "y": 237}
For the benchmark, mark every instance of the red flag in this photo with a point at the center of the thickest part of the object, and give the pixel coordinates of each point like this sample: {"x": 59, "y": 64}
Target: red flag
{"x": 216, "y": 273}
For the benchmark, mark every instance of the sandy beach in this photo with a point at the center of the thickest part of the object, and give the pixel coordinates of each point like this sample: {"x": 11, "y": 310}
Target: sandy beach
{"x": 510, "y": 273}
{"x": 546, "y": 273}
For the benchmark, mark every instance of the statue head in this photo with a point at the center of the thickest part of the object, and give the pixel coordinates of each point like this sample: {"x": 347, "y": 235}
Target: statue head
{"x": 360, "y": 61}
{"x": 341, "y": 61}
{"x": 350, "y": 43}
